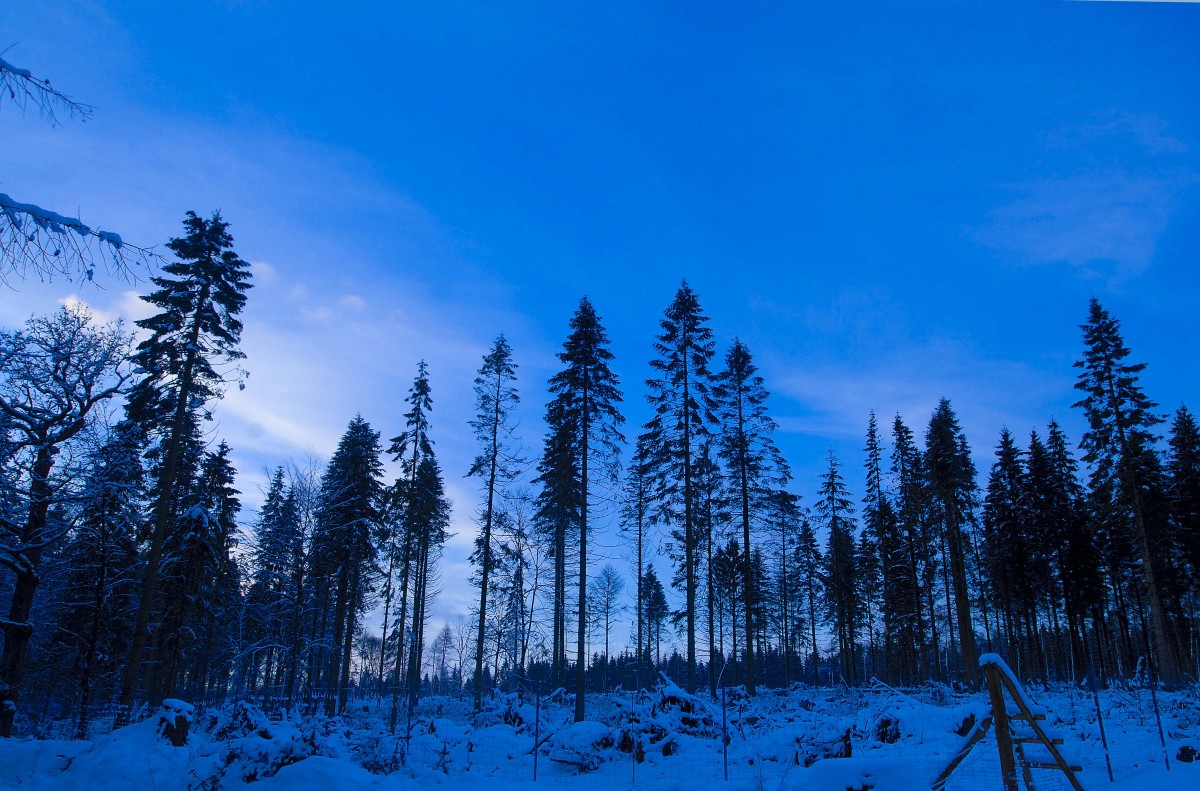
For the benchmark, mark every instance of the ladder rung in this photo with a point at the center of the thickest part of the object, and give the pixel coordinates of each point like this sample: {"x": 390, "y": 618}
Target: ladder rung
{"x": 1032, "y": 765}
{"x": 1034, "y": 740}
{"x": 1020, "y": 716}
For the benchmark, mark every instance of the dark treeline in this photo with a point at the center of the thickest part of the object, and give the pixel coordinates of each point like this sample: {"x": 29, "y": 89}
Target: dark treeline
{"x": 132, "y": 574}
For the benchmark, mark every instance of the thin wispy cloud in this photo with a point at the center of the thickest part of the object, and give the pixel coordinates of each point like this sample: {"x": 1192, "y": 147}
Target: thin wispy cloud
{"x": 1105, "y": 224}
{"x": 1104, "y": 219}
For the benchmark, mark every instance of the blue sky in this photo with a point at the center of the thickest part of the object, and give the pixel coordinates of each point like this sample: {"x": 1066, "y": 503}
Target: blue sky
{"x": 888, "y": 202}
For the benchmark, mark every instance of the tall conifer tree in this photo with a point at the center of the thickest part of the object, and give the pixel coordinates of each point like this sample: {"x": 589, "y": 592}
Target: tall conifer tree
{"x": 681, "y": 396}
{"x": 495, "y": 398}
{"x": 1120, "y": 446}
{"x": 920, "y": 565}
{"x": 1007, "y": 548}
{"x": 587, "y": 419}
{"x": 950, "y": 476}
{"x": 347, "y": 518}
{"x": 197, "y": 330}
{"x": 557, "y": 517}
{"x": 841, "y": 597}
{"x": 756, "y": 467}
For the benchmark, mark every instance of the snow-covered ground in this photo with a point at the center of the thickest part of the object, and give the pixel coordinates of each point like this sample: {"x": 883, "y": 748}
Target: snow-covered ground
{"x": 805, "y": 739}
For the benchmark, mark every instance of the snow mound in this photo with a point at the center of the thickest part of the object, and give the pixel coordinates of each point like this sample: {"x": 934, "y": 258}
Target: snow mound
{"x": 584, "y": 745}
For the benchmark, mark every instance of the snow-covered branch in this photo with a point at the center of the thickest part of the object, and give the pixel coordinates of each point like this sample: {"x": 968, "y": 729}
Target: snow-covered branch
{"x": 23, "y": 89}
{"x": 44, "y": 241}
{"x": 48, "y": 243}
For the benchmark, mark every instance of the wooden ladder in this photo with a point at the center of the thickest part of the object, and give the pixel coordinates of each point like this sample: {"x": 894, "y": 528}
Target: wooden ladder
{"x": 1010, "y": 742}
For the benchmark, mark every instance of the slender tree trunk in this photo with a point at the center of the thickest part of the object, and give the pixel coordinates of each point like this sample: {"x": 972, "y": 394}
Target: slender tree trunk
{"x": 580, "y": 651}
{"x": 712, "y": 636}
{"x": 91, "y": 649}
{"x": 785, "y": 642}
{"x": 293, "y": 668}
{"x": 947, "y": 565}
{"x": 689, "y": 537}
{"x": 333, "y": 675}
{"x": 640, "y": 609}
{"x": 387, "y": 611}
{"x": 486, "y": 557}
{"x": 748, "y": 558}
{"x": 348, "y": 639}
{"x": 812, "y": 622}
{"x": 962, "y": 606}
{"x": 1168, "y": 662}
{"x": 558, "y": 668}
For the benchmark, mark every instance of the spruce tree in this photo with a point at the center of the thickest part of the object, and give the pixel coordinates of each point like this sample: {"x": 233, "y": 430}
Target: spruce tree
{"x": 681, "y": 395}
{"x": 348, "y": 513}
{"x": 916, "y": 550}
{"x": 194, "y": 335}
{"x": 1060, "y": 507}
{"x": 1120, "y": 446}
{"x": 220, "y": 594}
{"x": 558, "y": 514}
{"x": 587, "y": 419}
{"x": 899, "y": 601}
{"x": 1007, "y": 548}
{"x": 411, "y": 448}
{"x": 756, "y": 467}
{"x": 497, "y": 464}
{"x": 950, "y": 476}
{"x": 200, "y": 584}
{"x": 841, "y": 598}
{"x": 427, "y": 520}
{"x": 656, "y": 611}
{"x": 276, "y": 582}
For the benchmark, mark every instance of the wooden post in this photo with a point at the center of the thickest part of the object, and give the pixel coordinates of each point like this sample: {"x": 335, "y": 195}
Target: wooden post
{"x": 1008, "y": 766}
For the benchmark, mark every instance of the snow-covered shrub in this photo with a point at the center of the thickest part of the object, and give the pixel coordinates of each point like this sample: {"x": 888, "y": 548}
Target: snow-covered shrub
{"x": 681, "y": 712}
{"x": 584, "y": 745}
{"x": 511, "y": 709}
{"x": 235, "y": 721}
{"x": 377, "y": 751}
{"x": 252, "y": 747}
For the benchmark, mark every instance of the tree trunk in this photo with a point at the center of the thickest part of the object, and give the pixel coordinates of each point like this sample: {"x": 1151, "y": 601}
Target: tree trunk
{"x": 486, "y": 557}
{"x": 581, "y": 628}
{"x": 17, "y": 628}
{"x": 333, "y": 671}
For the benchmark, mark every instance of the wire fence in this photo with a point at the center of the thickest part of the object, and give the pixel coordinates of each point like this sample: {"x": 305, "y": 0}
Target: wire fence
{"x": 842, "y": 737}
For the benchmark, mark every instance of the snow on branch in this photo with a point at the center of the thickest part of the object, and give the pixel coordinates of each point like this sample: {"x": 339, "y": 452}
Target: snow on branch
{"x": 23, "y": 89}
{"x": 37, "y": 239}
{"x": 49, "y": 243}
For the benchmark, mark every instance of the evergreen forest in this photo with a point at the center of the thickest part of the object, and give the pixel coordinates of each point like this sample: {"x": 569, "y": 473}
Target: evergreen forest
{"x": 130, "y": 572}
